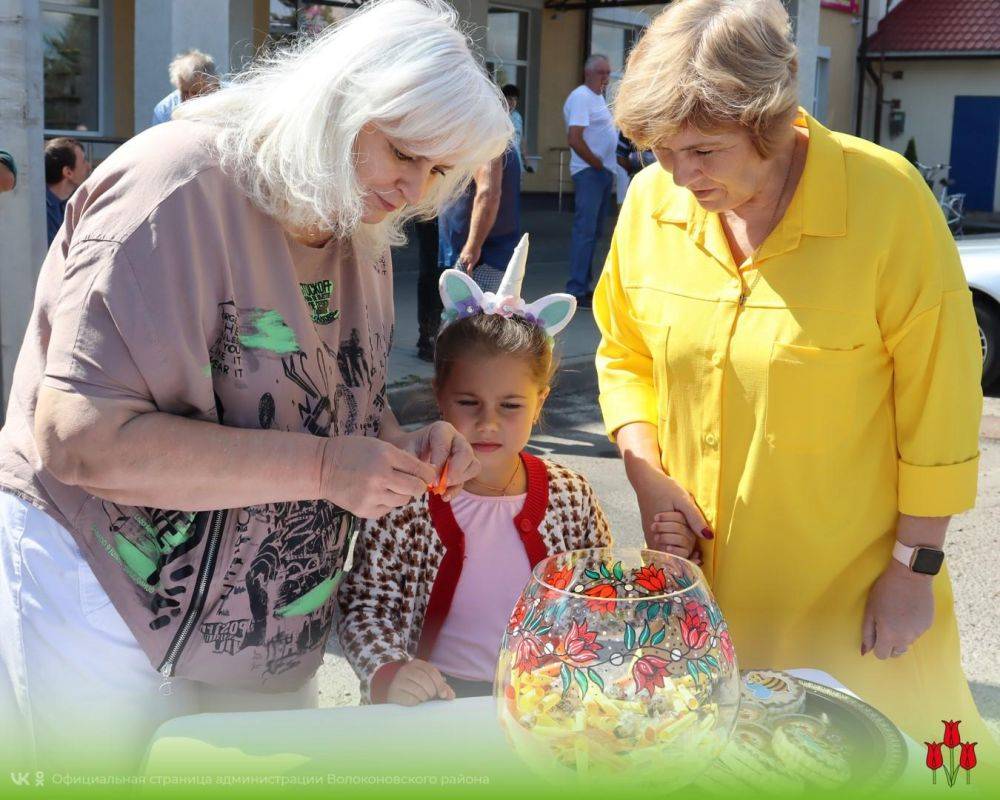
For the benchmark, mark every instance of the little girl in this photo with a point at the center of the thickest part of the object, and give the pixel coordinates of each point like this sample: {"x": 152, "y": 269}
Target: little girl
{"x": 425, "y": 607}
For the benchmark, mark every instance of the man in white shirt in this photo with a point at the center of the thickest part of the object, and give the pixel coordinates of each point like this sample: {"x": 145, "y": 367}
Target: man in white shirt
{"x": 593, "y": 141}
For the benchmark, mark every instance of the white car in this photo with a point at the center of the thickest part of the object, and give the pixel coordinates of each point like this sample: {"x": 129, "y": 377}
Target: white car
{"x": 981, "y": 261}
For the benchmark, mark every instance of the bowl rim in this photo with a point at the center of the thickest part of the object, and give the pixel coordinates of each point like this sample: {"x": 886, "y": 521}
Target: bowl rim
{"x": 536, "y": 574}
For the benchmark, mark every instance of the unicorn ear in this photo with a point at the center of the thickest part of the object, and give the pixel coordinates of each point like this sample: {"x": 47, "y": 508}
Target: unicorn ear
{"x": 553, "y": 312}
{"x": 459, "y": 292}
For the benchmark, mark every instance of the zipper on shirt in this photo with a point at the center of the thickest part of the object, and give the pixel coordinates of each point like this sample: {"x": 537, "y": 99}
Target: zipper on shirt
{"x": 216, "y": 522}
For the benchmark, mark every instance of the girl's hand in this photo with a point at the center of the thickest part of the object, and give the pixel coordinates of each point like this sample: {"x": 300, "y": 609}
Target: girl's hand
{"x": 416, "y": 683}
{"x": 671, "y": 520}
{"x": 900, "y": 608}
{"x": 439, "y": 443}
{"x": 370, "y": 477}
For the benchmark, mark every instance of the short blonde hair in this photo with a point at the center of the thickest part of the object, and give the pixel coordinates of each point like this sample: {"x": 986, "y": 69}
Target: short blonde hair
{"x": 711, "y": 63}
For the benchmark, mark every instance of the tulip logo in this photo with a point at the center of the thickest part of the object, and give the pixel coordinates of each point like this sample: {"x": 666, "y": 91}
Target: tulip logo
{"x": 952, "y": 739}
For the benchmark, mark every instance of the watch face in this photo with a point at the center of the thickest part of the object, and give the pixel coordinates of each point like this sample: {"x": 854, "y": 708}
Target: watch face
{"x": 927, "y": 561}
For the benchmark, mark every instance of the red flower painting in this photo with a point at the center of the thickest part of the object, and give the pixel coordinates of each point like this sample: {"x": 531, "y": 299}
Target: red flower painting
{"x": 558, "y": 578}
{"x": 651, "y": 578}
{"x": 727, "y": 646}
{"x": 648, "y": 673}
{"x": 694, "y": 627}
{"x": 581, "y": 645}
{"x": 602, "y": 590}
{"x": 528, "y": 653}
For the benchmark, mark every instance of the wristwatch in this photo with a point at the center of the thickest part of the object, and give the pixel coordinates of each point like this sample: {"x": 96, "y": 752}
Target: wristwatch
{"x": 925, "y": 560}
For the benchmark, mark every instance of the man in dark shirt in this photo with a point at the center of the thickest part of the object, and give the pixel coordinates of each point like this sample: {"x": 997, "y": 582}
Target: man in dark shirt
{"x": 66, "y": 167}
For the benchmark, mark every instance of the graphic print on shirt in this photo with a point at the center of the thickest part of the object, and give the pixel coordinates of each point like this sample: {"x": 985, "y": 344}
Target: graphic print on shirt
{"x": 291, "y": 575}
{"x": 317, "y": 297}
{"x": 146, "y": 541}
{"x": 246, "y": 335}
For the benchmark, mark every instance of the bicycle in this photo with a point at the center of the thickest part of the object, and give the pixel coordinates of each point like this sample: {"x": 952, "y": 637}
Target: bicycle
{"x": 952, "y": 204}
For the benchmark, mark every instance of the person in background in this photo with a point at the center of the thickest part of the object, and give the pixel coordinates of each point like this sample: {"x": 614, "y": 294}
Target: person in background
{"x": 513, "y": 95}
{"x": 483, "y": 226}
{"x": 428, "y": 299}
{"x": 593, "y": 141}
{"x": 8, "y": 172}
{"x": 192, "y": 74}
{"x": 66, "y": 167}
{"x": 631, "y": 158}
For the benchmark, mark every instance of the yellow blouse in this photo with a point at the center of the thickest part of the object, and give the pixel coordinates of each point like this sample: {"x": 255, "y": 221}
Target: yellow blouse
{"x": 804, "y": 399}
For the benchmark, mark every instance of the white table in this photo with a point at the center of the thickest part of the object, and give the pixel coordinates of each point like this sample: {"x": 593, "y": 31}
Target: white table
{"x": 458, "y": 740}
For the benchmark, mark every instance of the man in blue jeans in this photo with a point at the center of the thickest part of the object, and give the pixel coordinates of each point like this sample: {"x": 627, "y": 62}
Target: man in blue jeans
{"x": 593, "y": 142}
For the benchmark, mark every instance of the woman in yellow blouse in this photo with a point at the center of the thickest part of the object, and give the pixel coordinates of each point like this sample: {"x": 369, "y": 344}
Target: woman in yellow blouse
{"x": 789, "y": 340}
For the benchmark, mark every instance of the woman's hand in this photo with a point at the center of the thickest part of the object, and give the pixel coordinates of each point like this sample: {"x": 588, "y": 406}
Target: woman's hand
{"x": 416, "y": 683}
{"x": 370, "y": 477}
{"x": 900, "y": 608}
{"x": 437, "y": 444}
{"x": 671, "y": 520}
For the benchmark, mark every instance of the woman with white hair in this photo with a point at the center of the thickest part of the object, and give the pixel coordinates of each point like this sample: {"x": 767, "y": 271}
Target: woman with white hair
{"x": 790, "y": 365}
{"x": 199, "y": 407}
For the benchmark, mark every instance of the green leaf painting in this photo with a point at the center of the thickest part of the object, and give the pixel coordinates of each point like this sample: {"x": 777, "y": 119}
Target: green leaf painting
{"x": 629, "y": 637}
{"x": 644, "y": 636}
{"x": 564, "y": 674}
{"x": 581, "y": 681}
{"x": 596, "y": 679}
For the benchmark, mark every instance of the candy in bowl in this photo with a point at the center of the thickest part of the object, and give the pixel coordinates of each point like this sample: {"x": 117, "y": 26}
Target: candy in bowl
{"x": 617, "y": 664}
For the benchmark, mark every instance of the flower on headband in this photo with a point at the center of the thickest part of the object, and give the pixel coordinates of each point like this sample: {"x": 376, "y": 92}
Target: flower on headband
{"x": 463, "y": 297}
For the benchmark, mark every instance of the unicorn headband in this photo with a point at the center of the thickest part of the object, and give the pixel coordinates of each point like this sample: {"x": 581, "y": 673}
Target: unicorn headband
{"x": 463, "y": 298}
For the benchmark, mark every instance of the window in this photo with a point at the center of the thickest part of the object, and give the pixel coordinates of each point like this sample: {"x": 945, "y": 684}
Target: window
{"x": 72, "y": 37}
{"x": 507, "y": 51}
{"x": 613, "y": 33}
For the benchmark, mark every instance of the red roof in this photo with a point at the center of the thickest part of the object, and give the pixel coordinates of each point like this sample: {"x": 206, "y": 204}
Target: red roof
{"x": 952, "y": 26}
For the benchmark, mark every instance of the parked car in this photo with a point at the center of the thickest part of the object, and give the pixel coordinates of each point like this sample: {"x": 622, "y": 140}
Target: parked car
{"x": 981, "y": 261}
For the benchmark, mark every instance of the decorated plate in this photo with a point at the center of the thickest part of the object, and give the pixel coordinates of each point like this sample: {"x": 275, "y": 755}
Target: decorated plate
{"x": 876, "y": 749}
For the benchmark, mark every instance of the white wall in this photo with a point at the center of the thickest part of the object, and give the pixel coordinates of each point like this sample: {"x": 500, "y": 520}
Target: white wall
{"x": 927, "y": 94}
{"x": 22, "y": 212}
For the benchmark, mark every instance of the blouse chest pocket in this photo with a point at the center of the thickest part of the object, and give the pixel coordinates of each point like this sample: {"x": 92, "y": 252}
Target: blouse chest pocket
{"x": 811, "y": 397}
{"x": 656, "y": 336}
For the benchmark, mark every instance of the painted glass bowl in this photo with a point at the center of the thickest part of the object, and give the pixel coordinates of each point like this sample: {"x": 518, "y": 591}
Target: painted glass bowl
{"x": 617, "y": 663}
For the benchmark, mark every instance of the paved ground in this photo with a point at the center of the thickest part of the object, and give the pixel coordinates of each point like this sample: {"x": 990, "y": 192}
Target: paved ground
{"x": 574, "y": 436}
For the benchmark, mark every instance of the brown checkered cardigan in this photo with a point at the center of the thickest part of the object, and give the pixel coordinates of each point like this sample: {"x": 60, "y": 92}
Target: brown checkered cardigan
{"x": 407, "y": 565}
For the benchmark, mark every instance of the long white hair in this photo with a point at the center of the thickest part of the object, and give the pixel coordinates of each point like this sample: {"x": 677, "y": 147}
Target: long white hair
{"x": 288, "y": 125}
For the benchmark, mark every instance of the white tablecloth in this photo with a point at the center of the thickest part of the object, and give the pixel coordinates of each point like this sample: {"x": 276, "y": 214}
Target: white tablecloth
{"x": 460, "y": 739}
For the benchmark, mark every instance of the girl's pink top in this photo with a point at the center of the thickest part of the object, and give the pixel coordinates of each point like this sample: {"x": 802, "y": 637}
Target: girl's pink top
{"x": 494, "y": 574}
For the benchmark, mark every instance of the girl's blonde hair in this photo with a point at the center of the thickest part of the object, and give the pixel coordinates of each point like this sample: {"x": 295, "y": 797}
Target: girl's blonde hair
{"x": 711, "y": 63}
{"x": 287, "y": 126}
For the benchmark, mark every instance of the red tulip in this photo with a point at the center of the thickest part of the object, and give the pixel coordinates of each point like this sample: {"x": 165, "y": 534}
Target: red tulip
{"x": 648, "y": 673}
{"x": 952, "y": 738}
{"x": 602, "y": 590}
{"x": 968, "y": 758}
{"x": 651, "y": 578}
{"x": 581, "y": 645}
{"x": 694, "y": 630}
{"x": 558, "y": 578}
{"x": 528, "y": 654}
{"x": 934, "y": 758}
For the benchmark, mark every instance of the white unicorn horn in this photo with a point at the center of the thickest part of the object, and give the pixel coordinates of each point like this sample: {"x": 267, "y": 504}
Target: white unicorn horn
{"x": 510, "y": 286}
